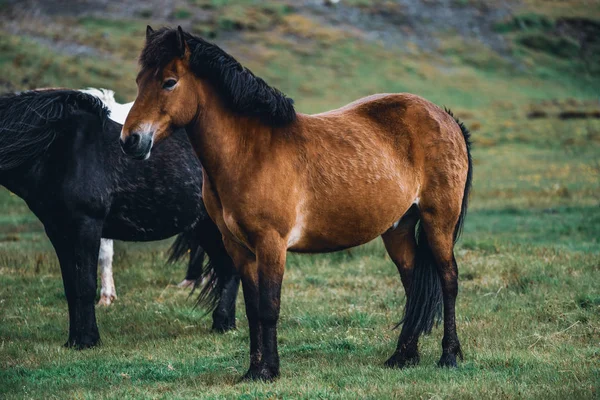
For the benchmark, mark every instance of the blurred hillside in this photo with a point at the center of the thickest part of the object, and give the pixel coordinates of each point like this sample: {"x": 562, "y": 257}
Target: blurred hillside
{"x": 522, "y": 73}
{"x": 321, "y": 53}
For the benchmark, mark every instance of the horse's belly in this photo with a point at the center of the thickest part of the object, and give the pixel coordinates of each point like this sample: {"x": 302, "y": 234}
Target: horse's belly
{"x": 337, "y": 223}
{"x": 147, "y": 227}
{"x": 327, "y": 241}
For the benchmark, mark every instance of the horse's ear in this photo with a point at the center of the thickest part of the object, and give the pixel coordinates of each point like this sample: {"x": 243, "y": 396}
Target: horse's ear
{"x": 149, "y": 31}
{"x": 181, "y": 44}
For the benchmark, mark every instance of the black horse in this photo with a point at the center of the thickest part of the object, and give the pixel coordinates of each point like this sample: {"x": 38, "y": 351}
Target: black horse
{"x": 59, "y": 152}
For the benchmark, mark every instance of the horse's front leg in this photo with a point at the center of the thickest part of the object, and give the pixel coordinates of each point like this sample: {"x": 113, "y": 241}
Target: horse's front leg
{"x": 262, "y": 291}
{"x": 271, "y": 257}
{"x": 224, "y": 313}
{"x": 77, "y": 243}
{"x": 245, "y": 263}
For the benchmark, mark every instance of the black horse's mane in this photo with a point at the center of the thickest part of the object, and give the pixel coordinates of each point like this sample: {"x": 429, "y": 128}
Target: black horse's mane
{"x": 29, "y": 121}
{"x": 242, "y": 91}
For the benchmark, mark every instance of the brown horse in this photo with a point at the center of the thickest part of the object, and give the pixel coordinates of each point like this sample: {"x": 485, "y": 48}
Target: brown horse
{"x": 277, "y": 180}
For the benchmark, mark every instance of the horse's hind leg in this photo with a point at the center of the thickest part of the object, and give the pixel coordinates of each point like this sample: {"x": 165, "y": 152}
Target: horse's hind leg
{"x": 439, "y": 225}
{"x": 401, "y": 246}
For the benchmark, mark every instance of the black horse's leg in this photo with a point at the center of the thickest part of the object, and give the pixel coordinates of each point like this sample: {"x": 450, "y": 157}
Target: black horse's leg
{"x": 210, "y": 239}
{"x": 77, "y": 243}
{"x": 224, "y": 313}
{"x": 196, "y": 261}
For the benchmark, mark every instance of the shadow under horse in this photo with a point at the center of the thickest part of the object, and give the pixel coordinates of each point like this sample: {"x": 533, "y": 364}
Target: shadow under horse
{"x": 59, "y": 152}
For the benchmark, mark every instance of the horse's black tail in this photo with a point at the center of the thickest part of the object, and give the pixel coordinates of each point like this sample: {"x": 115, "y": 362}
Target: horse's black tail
{"x": 424, "y": 301}
{"x": 203, "y": 275}
{"x": 212, "y": 276}
{"x": 465, "y": 200}
{"x": 186, "y": 243}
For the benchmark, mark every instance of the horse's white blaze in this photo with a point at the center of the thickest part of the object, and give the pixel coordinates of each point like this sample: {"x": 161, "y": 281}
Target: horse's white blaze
{"x": 146, "y": 128}
{"x": 143, "y": 129}
{"x": 108, "y": 292}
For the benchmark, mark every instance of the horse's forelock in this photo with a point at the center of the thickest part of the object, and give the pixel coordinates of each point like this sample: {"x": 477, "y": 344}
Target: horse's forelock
{"x": 160, "y": 49}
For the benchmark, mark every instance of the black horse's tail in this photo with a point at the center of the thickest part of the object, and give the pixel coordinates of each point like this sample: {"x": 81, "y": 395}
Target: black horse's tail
{"x": 425, "y": 300}
{"x": 187, "y": 243}
{"x": 212, "y": 276}
{"x": 203, "y": 274}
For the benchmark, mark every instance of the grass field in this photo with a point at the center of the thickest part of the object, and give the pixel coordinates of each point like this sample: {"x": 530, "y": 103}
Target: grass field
{"x": 529, "y": 260}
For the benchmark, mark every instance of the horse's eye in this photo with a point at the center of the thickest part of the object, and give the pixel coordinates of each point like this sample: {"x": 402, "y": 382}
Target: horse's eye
{"x": 169, "y": 84}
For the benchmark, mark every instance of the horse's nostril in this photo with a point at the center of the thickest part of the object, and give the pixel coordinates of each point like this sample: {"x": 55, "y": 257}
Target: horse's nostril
{"x": 131, "y": 142}
{"x": 137, "y": 145}
{"x": 134, "y": 140}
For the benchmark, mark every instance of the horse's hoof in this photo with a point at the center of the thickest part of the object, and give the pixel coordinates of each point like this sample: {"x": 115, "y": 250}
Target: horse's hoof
{"x": 223, "y": 326}
{"x": 82, "y": 344}
{"x": 447, "y": 361}
{"x": 106, "y": 300}
{"x": 400, "y": 361}
{"x": 186, "y": 283}
{"x": 261, "y": 373}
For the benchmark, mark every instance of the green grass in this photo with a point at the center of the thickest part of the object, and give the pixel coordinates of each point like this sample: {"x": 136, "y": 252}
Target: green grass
{"x": 527, "y": 315}
{"x": 529, "y": 260}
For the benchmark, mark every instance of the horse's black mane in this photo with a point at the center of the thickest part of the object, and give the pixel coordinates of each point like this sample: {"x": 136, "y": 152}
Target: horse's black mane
{"x": 29, "y": 121}
{"x": 242, "y": 91}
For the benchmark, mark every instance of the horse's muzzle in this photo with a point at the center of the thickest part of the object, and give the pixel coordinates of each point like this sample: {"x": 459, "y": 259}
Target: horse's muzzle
{"x": 137, "y": 145}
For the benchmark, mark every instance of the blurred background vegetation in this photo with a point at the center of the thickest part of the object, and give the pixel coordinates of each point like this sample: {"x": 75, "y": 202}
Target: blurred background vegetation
{"x": 524, "y": 75}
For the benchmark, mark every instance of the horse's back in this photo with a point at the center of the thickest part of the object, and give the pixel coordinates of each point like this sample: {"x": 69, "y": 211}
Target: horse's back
{"x": 396, "y": 113}
{"x": 421, "y": 135}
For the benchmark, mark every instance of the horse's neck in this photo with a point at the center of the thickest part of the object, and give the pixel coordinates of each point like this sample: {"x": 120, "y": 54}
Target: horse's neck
{"x": 227, "y": 145}
{"x": 22, "y": 180}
